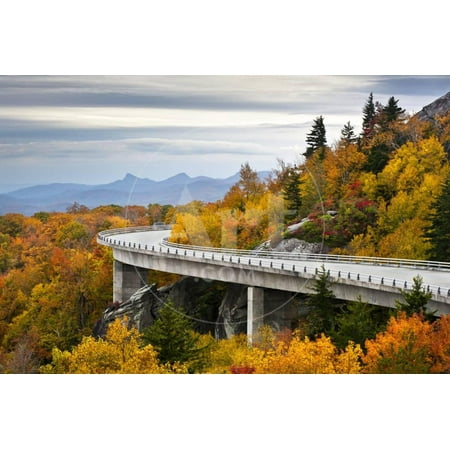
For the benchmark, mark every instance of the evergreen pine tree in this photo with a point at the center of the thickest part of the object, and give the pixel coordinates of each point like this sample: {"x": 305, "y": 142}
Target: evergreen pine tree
{"x": 392, "y": 112}
{"x": 323, "y": 306}
{"x": 377, "y": 158}
{"x": 415, "y": 301}
{"x": 316, "y": 138}
{"x": 292, "y": 194}
{"x": 369, "y": 116}
{"x": 172, "y": 336}
{"x": 348, "y": 135}
{"x": 359, "y": 321}
{"x": 438, "y": 232}
{"x": 389, "y": 114}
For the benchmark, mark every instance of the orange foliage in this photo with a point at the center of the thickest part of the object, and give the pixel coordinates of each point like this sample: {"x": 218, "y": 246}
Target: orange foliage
{"x": 55, "y": 277}
{"x": 410, "y": 345}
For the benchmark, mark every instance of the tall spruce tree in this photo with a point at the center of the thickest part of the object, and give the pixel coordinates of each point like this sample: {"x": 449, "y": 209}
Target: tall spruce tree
{"x": 369, "y": 119}
{"x": 172, "y": 336}
{"x": 438, "y": 232}
{"x": 392, "y": 112}
{"x": 316, "y": 139}
{"x": 323, "y": 306}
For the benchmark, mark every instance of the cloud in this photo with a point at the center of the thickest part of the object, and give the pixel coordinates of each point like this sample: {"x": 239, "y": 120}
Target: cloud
{"x": 212, "y": 93}
{"x": 111, "y": 124}
{"x": 124, "y": 149}
{"x": 424, "y": 85}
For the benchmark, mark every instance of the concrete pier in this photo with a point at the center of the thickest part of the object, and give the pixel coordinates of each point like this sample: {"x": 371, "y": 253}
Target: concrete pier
{"x": 127, "y": 280}
{"x": 255, "y": 312}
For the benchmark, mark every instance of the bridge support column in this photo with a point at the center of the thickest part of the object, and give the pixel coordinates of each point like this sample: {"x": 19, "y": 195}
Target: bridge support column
{"x": 127, "y": 280}
{"x": 255, "y": 312}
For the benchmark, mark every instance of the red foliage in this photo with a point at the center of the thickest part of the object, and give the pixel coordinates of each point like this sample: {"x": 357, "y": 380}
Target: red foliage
{"x": 241, "y": 369}
{"x": 363, "y": 204}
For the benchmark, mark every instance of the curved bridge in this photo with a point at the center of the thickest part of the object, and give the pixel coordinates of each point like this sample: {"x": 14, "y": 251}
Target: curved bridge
{"x": 376, "y": 280}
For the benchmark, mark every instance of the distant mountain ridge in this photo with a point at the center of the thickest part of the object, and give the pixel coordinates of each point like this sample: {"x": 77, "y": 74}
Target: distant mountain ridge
{"x": 130, "y": 190}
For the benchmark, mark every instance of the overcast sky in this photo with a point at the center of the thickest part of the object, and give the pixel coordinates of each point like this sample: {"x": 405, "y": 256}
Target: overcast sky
{"x": 95, "y": 129}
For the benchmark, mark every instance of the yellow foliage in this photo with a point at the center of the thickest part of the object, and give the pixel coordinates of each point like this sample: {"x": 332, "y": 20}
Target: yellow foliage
{"x": 313, "y": 182}
{"x": 312, "y": 357}
{"x": 363, "y": 244}
{"x": 369, "y": 185}
{"x": 273, "y": 356}
{"x": 228, "y": 352}
{"x": 409, "y": 164}
{"x": 260, "y": 217}
{"x": 406, "y": 241}
{"x": 119, "y": 352}
{"x": 189, "y": 229}
{"x": 411, "y": 181}
{"x": 342, "y": 167}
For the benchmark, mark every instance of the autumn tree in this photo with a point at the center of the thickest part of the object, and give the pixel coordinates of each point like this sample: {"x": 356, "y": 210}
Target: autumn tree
{"x": 316, "y": 139}
{"x": 278, "y": 176}
{"x": 250, "y": 184}
{"x": 283, "y": 354}
{"x": 26, "y": 355}
{"x": 157, "y": 212}
{"x": 410, "y": 345}
{"x": 313, "y": 181}
{"x": 248, "y": 188}
{"x": 438, "y": 232}
{"x": 77, "y": 208}
{"x": 12, "y": 224}
{"x": 342, "y": 169}
{"x": 120, "y": 352}
{"x": 302, "y": 355}
{"x": 442, "y": 123}
{"x": 404, "y": 191}
{"x": 402, "y": 348}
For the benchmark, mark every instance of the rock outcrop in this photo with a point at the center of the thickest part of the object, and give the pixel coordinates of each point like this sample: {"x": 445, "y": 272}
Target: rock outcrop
{"x": 218, "y": 308}
{"x": 438, "y": 107}
{"x": 200, "y": 299}
{"x": 294, "y": 245}
{"x": 140, "y": 309}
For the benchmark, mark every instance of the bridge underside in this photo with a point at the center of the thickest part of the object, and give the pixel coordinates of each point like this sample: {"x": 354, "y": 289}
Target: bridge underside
{"x": 129, "y": 276}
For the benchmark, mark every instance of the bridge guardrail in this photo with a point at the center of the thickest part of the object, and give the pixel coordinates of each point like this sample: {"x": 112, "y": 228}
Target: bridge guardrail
{"x": 394, "y": 262}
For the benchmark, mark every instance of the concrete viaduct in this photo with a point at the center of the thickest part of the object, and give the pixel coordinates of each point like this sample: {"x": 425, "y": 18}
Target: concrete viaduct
{"x": 376, "y": 280}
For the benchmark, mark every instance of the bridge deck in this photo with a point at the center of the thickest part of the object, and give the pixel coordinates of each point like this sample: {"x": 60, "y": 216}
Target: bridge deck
{"x": 376, "y": 273}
